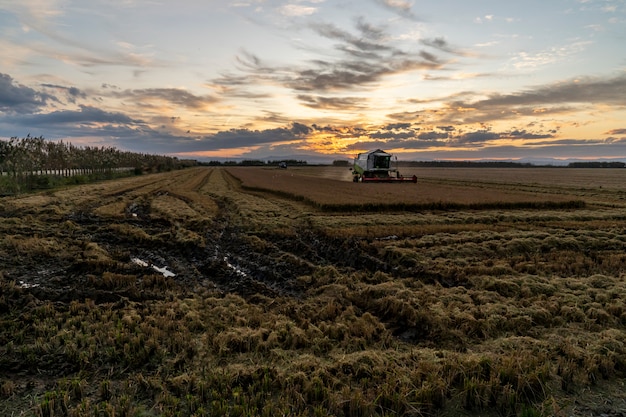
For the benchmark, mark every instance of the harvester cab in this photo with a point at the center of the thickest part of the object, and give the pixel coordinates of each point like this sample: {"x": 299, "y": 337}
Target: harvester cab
{"x": 375, "y": 166}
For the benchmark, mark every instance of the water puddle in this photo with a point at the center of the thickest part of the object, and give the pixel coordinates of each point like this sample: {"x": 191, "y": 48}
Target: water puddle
{"x": 235, "y": 268}
{"x": 163, "y": 270}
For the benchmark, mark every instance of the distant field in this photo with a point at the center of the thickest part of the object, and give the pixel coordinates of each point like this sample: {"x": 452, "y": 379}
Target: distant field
{"x": 331, "y": 188}
{"x": 609, "y": 178}
{"x": 612, "y": 178}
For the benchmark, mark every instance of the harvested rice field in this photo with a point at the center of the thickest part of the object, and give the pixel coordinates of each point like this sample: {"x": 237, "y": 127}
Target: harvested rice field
{"x": 261, "y": 292}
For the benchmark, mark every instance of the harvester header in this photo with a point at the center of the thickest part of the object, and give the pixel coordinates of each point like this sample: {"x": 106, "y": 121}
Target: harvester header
{"x": 376, "y": 166}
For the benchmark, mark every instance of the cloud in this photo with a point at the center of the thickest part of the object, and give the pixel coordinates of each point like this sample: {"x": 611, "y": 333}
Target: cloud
{"x": 559, "y": 98}
{"x": 242, "y": 138}
{"x": 175, "y": 96}
{"x": 397, "y": 126}
{"x": 621, "y": 131}
{"x": 332, "y": 103}
{"x": 16, "y": 98}
{"x": 85, "y": 116}
{"x": 441, "y": 44}
{"x": 401, "y": 7}
{"x": 586, "y": 90}
{"x": 361, "y": 60}
{"x": 72, "y": 93}
{"x": 85, "y": 122}
{"x": 433, "y": 135}
{"x": 135, "y": 134}
{"x": 293, "y": 10}
{"x": 47, "y": 18}
{"x": 390, "y": 135}
{"x": 447, "y": 128}
{"x": 523, "y": 134}
{"x": 477, "y": 137}
{"x": 409, "y": 116}
{"x": 368, "y": 41}
{"x": 525, "y": 60}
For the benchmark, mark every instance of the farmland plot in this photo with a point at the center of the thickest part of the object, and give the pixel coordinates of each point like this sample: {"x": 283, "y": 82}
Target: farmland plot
{"x": 192, "y": 293}
{"x": 332, "y": 195}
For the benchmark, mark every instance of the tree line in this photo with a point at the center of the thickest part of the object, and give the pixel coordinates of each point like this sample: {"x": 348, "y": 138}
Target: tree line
{"x": 36, "y": 163}
{"x": 509, "y": 164}
{"x": 257, "y": 162}
{"x": 596, "y": 164}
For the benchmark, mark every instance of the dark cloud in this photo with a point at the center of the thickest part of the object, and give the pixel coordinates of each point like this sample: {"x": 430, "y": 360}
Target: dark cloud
{"x": 238, "y": 138}
{"x": 616, "y": 132}
{"x": 363, "y": 59}
{"x": 332, "y": 103}
{"x": 339, "y": 78}
{"x": 437, "y": 43}
{"x": 477, "y": 137}
{"x": 547, "y": 152}
{"x": 299, "y": 129}
{"x": 588, "y": 90}
{"x": 447, "y": 128}
{"x": 397, "y": 126}
{"x": 85, "y": 122}
{"x": 442, "y": 45}
{"x": 273, "y": 117}
{"x": 523, "y": 134}
{"x": 327, "y": 129}
{"x": 432, "y": 135}
{"x": 392, "y": 135}
{"x": 538, "y": 102}
{"x": 231, "y": 80}
{"x": 613, "y": 140}
{"x": 72, "y": 93}
{"x": 370, "y": 42}
{"x": 396, "y": 142}
{"x": 86, "y": 116}
{"x": 569, "y": 142}
{"x": 366, "y": 145}
{"x": 429, "y": 57}
{"x": 16, "y": 98}
{"x": 176, "y": 96}
{"x": 405, "y": 116}
{"x": 394, "y": 132}
{"x": 370, "y": 31}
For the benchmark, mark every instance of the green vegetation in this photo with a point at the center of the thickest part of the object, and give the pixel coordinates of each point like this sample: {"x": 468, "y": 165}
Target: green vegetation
{"x": 29, "y": 164}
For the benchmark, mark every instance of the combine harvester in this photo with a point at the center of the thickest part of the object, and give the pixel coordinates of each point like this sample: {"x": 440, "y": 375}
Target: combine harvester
{"x": 375, "y": 166}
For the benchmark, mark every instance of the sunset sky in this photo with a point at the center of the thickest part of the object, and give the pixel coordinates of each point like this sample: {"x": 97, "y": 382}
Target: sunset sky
{"x": 446, "y": 79}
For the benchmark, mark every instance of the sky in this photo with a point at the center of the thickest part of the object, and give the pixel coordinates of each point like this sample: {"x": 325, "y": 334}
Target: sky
{"x": 255, "y": 79}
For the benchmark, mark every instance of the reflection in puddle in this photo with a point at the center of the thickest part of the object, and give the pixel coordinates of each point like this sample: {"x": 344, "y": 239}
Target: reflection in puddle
{"x": 235, "y": 268}
{"x": 164, "y": 271}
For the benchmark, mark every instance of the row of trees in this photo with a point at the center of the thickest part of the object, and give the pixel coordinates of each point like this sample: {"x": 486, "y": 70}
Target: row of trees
{"x": 33, "y": 162}
{"x": 258, "y": 162}
{"x": 597, "y": 164}
{"x": 509, "y": 164}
